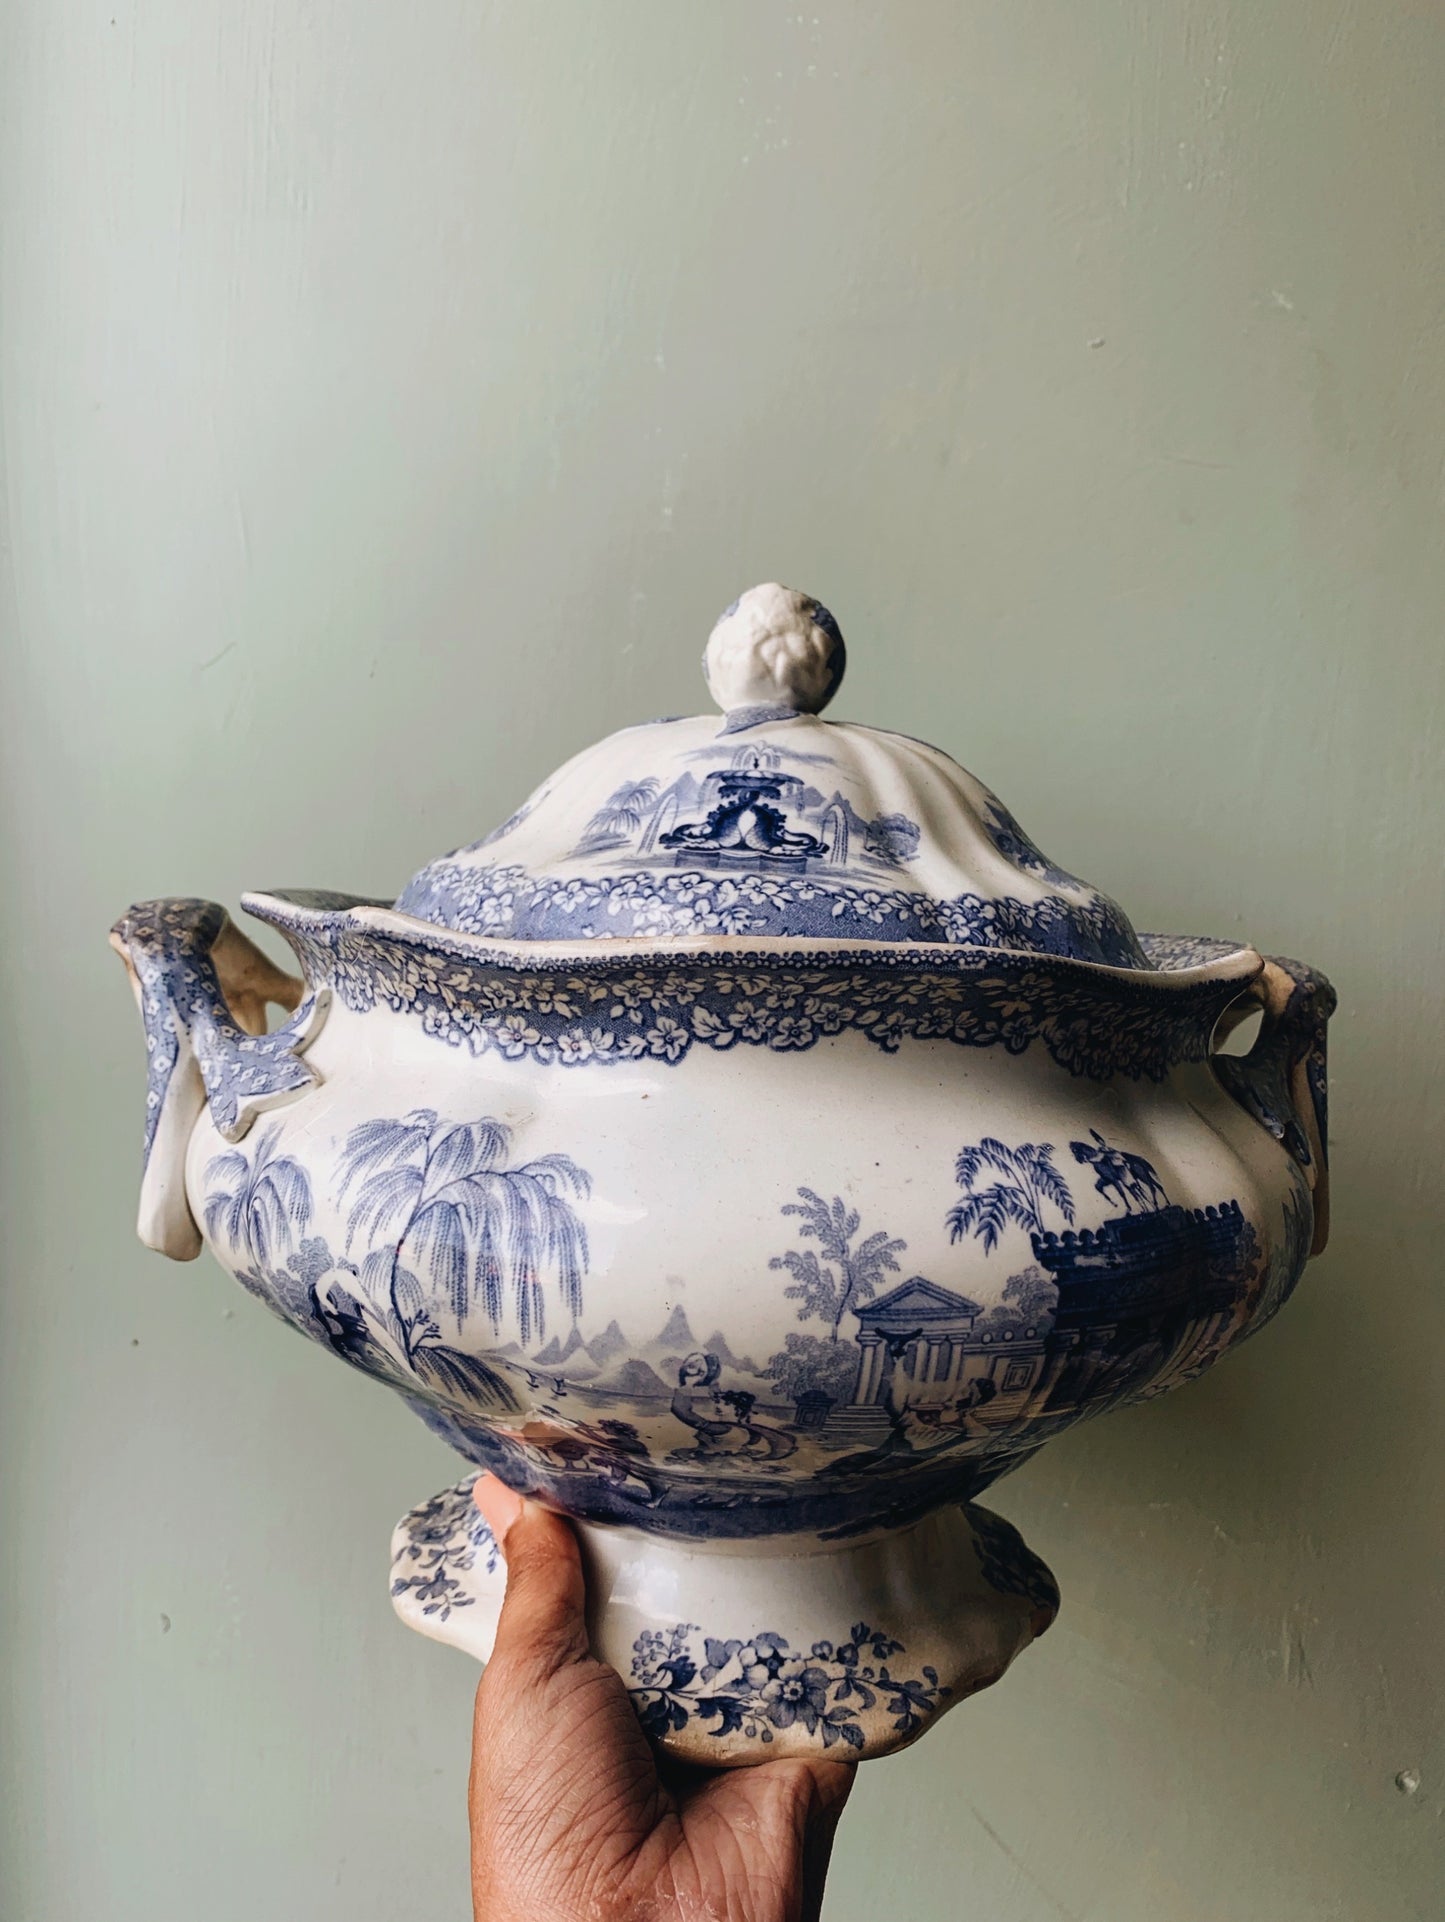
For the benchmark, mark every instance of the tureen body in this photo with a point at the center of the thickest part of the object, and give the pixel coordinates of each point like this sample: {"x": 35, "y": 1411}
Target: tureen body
{"x": 754, "y": 1149}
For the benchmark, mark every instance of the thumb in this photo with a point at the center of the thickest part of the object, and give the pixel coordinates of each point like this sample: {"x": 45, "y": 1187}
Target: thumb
{"x": 832, "y": 1785}
{"x": 542, "y": 1626}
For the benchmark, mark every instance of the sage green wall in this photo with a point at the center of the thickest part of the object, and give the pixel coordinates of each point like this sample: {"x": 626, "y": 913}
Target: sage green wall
{"x": 392, "y": 396}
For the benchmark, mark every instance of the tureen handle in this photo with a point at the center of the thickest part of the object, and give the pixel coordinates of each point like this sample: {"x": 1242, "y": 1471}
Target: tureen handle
{"x": 1281, "y": 1081}
{"x": 203, "y": 989}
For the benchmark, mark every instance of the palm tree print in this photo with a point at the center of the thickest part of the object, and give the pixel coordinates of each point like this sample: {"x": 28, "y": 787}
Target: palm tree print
{"x": 259, "y": 1205}
{"x": 444, "y": 1199}
{"x": 846, "y": 1274}
{"x": 620, "y": 815}
{"x": 1026, "y": 1179}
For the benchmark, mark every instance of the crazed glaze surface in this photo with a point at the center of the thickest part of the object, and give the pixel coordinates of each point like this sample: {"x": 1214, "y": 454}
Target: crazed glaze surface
{"x": 696, "y": 1181}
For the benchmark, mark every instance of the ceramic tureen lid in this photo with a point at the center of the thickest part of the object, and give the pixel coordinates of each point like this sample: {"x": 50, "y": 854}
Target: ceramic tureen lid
{"x": 766, "y": 820}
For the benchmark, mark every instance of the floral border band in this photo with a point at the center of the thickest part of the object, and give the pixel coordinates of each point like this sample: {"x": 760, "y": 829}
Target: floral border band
{"x": 505, "y": 901}
{"x": 659, "y": 1007}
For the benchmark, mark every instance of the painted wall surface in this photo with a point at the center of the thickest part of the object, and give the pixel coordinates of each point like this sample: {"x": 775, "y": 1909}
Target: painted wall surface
{"x": 392, "y": 396}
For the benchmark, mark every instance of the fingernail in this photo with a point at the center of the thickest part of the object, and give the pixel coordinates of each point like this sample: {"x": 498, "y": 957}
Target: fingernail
{"x": 499, "y": 1504}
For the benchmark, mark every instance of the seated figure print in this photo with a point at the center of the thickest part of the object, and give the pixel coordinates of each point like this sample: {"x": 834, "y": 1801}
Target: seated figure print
{"x": 766, "y": 1442}
{"x": 722, "y": 1419}
{"x": 697, "y": 1404}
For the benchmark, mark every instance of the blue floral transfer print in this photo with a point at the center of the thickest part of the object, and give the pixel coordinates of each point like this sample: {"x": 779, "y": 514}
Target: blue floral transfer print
{"x": 444, "y": 1540}
{"x": 168, "y": 944}
{"x": 581, "y": 1010}
{"x": 761, "y": 1686}
{"x": 508, "y": 901}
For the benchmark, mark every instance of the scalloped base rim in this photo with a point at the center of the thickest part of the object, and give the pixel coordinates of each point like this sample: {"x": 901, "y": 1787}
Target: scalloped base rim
{"x": 738, "y": 1654}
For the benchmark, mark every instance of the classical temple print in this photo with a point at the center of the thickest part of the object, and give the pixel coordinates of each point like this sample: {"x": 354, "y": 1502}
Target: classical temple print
{"x": 884, "y": 1375}
{"x": 757, "y": 812}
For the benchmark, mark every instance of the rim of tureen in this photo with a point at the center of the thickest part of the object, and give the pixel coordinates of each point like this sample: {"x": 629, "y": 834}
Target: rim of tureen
{"x": 308, "y": 910}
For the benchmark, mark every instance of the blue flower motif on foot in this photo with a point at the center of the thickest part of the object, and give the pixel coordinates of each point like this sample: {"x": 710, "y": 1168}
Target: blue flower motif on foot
{"x": 760, "y": 1687}
{"x": 445, "y": 1539}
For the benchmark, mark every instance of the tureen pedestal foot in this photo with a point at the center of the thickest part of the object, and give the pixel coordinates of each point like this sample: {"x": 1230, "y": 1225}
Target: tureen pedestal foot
{"x": 741, "y": 1652}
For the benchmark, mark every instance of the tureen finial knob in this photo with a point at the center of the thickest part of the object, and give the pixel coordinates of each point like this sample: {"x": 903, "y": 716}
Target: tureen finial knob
{"x": 775, "y": 648}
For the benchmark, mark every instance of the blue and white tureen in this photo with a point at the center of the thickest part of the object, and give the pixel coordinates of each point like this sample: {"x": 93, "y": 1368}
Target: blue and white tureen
{"x": 755, "y": 1148}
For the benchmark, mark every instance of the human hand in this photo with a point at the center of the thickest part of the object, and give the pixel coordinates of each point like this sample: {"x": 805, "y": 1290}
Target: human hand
{"x": 572, "y": 1818}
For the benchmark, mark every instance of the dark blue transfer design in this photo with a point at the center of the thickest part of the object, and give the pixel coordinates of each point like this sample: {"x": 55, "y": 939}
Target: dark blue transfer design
{"x": 579, "y": 1010}
{"x": 748, "y": 819}
{"x": 879, "y": 1338}
{"x": 760, "y": 1686}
